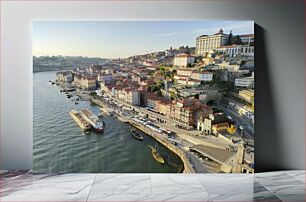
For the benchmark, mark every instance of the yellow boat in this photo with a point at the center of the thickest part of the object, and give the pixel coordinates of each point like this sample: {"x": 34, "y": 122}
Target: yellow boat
{"x": 231, "y": 129}
{"x": 156, "y": 155}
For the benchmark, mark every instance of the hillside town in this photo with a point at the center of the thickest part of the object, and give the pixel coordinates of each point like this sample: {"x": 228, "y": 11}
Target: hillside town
{"x": 203, "y": 94}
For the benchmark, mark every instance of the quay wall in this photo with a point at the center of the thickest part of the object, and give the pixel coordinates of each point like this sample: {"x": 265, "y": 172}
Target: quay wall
{"x": 187, "y": 165}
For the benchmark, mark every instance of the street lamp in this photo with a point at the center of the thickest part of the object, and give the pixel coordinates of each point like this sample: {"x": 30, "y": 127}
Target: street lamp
{"x": 241, "y": 129}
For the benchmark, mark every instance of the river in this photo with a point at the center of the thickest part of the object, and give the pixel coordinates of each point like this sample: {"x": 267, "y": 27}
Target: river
{"x": 59, "y": 146}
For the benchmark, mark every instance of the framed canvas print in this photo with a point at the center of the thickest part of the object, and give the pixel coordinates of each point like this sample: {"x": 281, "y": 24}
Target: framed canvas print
{"x": 143, "y": 96}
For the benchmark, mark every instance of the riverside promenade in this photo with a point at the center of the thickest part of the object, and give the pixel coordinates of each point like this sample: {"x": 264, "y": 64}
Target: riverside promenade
{"x": 188, "y": 168}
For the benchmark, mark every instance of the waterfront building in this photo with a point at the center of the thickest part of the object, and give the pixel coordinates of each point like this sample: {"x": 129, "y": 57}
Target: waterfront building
{"x": 128, "y": 95}
{"x": 85, "y": 82}
{"x": 163, "y": 107}
{"x": 205, "y": 43}
{"x": 149, "y": 99}
{"x": 66, "y": 77}
{"x": 236, "y": 50}
{"x": 151, "y": 102}
{"x": 77, "y": 81}
{"x": 89, "y": 83}
{"x": 185, "y": 111}
{"x": 246, "y": 82}
{"x": 183, "y": 60}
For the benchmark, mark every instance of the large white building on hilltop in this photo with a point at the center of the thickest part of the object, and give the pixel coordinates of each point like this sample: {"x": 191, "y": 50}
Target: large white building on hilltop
{"x": 182, "y": 60}
{"x": 206, "y": 43}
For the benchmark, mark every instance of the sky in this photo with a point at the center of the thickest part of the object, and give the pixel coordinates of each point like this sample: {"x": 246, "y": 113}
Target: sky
{"x": 120, "y": 39}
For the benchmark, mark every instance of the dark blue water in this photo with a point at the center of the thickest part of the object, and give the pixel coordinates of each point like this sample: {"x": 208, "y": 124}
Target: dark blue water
{"x": 60, "y": 146}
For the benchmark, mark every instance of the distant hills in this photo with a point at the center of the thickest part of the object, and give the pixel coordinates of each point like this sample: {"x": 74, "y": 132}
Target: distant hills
{"x": 54, "y": 63}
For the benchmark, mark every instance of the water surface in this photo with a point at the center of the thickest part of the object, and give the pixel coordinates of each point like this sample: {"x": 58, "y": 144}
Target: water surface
{"x": 60, "y": 146}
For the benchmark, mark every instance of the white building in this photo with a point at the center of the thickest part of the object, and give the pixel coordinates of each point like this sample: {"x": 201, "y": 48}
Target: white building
{"x": 129, "y": 96}
{"x": 182, "y": 60}
{"x": 247, "y": 38}
{"x": 228, "y": 66}
{"x": 202, "y": 76}
{"x": 247, "y": 82}
{"x": 205, "y": 43}
{"x": 188, "y": 82}
{"x": 236, "y": 50}
{"x": 184, "y": 71}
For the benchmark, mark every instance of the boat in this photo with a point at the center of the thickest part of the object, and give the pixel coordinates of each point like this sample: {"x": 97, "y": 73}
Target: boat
{"x": 156, "y": 155}
{"x": 79, "y": 120}
{"x": 136, "y": 134}
{"x": 97, "y": 124}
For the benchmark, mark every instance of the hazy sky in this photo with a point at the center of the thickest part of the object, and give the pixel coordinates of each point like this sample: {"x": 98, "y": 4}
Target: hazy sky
{"x": 122, "y": 39}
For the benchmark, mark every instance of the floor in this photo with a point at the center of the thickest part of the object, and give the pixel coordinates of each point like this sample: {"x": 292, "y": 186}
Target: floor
{"x": 270, "y": 186}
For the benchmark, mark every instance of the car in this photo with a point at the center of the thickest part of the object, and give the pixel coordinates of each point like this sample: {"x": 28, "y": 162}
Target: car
{"x": 174, "y": 143}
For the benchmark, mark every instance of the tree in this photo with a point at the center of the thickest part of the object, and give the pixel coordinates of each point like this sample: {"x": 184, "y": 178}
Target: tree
{"x": 229, "y": 39}
{"x": 236, "y": 40}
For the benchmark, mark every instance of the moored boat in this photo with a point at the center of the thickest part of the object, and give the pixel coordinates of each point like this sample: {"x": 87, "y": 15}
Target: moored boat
{"x": 156, "y": 155}
{"x": 97, "y": 124}
{"x": 79, "y": 120}
{"x": 136, "y": 134}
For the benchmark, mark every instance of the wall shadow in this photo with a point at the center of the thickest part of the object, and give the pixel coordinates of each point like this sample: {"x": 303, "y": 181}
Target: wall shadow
{"x": 268, "y": 152}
